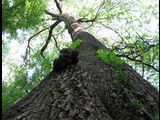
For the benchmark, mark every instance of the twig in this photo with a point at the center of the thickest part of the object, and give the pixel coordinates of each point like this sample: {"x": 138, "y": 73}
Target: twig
{"x": 132, "y": 59}
{"x": 56, "y": 43}
{"x": 52, "y": 14}
{"x": 148, "y": 48}
{"x": 114, "y": 31}
{"x": 28, "y": 46}
{"x": 59, "y": 6}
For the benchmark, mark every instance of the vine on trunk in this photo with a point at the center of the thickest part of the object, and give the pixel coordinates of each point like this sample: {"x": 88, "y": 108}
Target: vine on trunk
{"x": 116, "y": 62}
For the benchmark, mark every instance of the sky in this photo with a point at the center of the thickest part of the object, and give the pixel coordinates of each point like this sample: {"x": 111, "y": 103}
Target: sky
{"x": 15, "y": 53}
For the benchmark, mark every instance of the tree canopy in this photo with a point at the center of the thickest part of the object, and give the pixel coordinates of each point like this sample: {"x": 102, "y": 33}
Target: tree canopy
{"x": 129, "y": 28}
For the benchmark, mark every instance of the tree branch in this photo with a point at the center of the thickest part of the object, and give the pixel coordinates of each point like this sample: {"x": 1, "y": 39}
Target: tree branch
{"x": 49, "y": 37}
{"x": 148, "y": 48}
{"x": 94, "y": 19}
{"x": 56, "y": 43}
{"x": 126, "y": 56}
{"x": 59, "y": 6}
{"x": 114, "y": 31}
{"x": 52, "y": 14}
{"x": 28, "y": 46}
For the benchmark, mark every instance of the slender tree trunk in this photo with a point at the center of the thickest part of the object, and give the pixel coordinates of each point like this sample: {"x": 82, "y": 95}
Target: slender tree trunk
{"x": 87, "y": 91}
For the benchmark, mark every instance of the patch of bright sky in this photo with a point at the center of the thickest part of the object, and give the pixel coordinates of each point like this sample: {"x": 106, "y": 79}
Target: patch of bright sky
{"x": 16, "y": 49}
{"x": 5, "y": 72}
{"x": 15, "y": 53}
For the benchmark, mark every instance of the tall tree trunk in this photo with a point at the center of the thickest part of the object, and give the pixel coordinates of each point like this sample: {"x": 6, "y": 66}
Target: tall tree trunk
{"x": 87, "y": 91}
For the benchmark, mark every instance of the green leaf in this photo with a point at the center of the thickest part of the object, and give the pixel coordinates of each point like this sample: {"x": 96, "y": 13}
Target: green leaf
{"x": 119, "y": 62}
{"x": 145, "y": 54}
{"x": 121, "y": 76}
{"x": 105, "y": 59}
{"x": 118, "y": 83}
{"x": 140, "y": 47}
{"x": 156, "y": 117}
{"x": 112, "y": 56}
{"x": 106, "y": 52}
{"x": 76, "y": 43}
{"x": 103, "y": 55}
{"x": 135, "y": 103}
{"x": 99, "y": 51}
{"x": 132, "y": 90}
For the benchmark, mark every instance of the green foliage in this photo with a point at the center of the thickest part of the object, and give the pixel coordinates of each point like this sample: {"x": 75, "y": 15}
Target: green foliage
{"x": 23, "y": 79}
{"x": 119, "y": 84}
{"x": 156, "y": 117}
{"x": 132, "y": 90}
{"x": 140, "y": 47}
{"x": 76, "y": 43}
{"x": 5, "y": 49}
{"x": 135, "y": 103}
{"x": 121, "y": 76}
{"x": 103, "y": 55}
{"x": 21, "y": 14}
{"x": 110, "y": 57}
{"x": 119, "y": 62}
{"x": 40, "y": 67}
{"x": 14, "y": 89}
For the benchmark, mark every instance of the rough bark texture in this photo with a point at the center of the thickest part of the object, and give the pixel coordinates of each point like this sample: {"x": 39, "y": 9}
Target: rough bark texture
{"x": 87, "y": 91}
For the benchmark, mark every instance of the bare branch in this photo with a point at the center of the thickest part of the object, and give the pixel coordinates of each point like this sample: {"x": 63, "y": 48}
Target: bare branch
{"x": 59, "y": 6}
{"x": 86, "y": 20}
{"x": 114, "y": 31}
{"x": 132, "y": 59}
{"x": 52, "y": 14}
{"x": 49, "y": 37}
{"x": 28, "y": 46}
{"x": 56, "y": 43}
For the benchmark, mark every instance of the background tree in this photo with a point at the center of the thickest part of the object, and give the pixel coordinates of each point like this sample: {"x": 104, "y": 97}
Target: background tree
{"x": 129, "y": 46}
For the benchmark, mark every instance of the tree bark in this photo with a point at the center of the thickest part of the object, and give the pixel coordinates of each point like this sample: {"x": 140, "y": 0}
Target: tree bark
{"x": 87, "y": 90}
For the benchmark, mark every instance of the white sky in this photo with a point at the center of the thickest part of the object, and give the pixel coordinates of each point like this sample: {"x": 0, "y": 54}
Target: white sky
{"x": 16, "y": 50}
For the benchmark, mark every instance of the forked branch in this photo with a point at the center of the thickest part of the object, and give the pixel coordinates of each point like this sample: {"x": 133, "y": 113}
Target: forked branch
{"x": 28, "y": 46}
{"x": 59, "y": 6}
{"x": 49, "y": 37}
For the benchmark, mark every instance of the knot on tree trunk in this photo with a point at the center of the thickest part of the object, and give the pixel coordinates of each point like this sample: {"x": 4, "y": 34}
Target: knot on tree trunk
{"x": 67, "y": 57}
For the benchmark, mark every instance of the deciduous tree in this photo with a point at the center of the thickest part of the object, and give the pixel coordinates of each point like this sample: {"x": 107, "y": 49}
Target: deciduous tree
{"x": 88, "y": 82}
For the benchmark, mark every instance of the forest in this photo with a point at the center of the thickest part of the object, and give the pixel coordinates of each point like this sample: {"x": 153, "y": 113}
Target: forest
{"x": 80, "y": 60}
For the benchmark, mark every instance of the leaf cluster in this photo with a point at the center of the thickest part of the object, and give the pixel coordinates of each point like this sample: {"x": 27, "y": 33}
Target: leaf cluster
{"x": 76, "y": 43}
{"x": 110, "y": 57}
{"x": 21, "y": 14}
